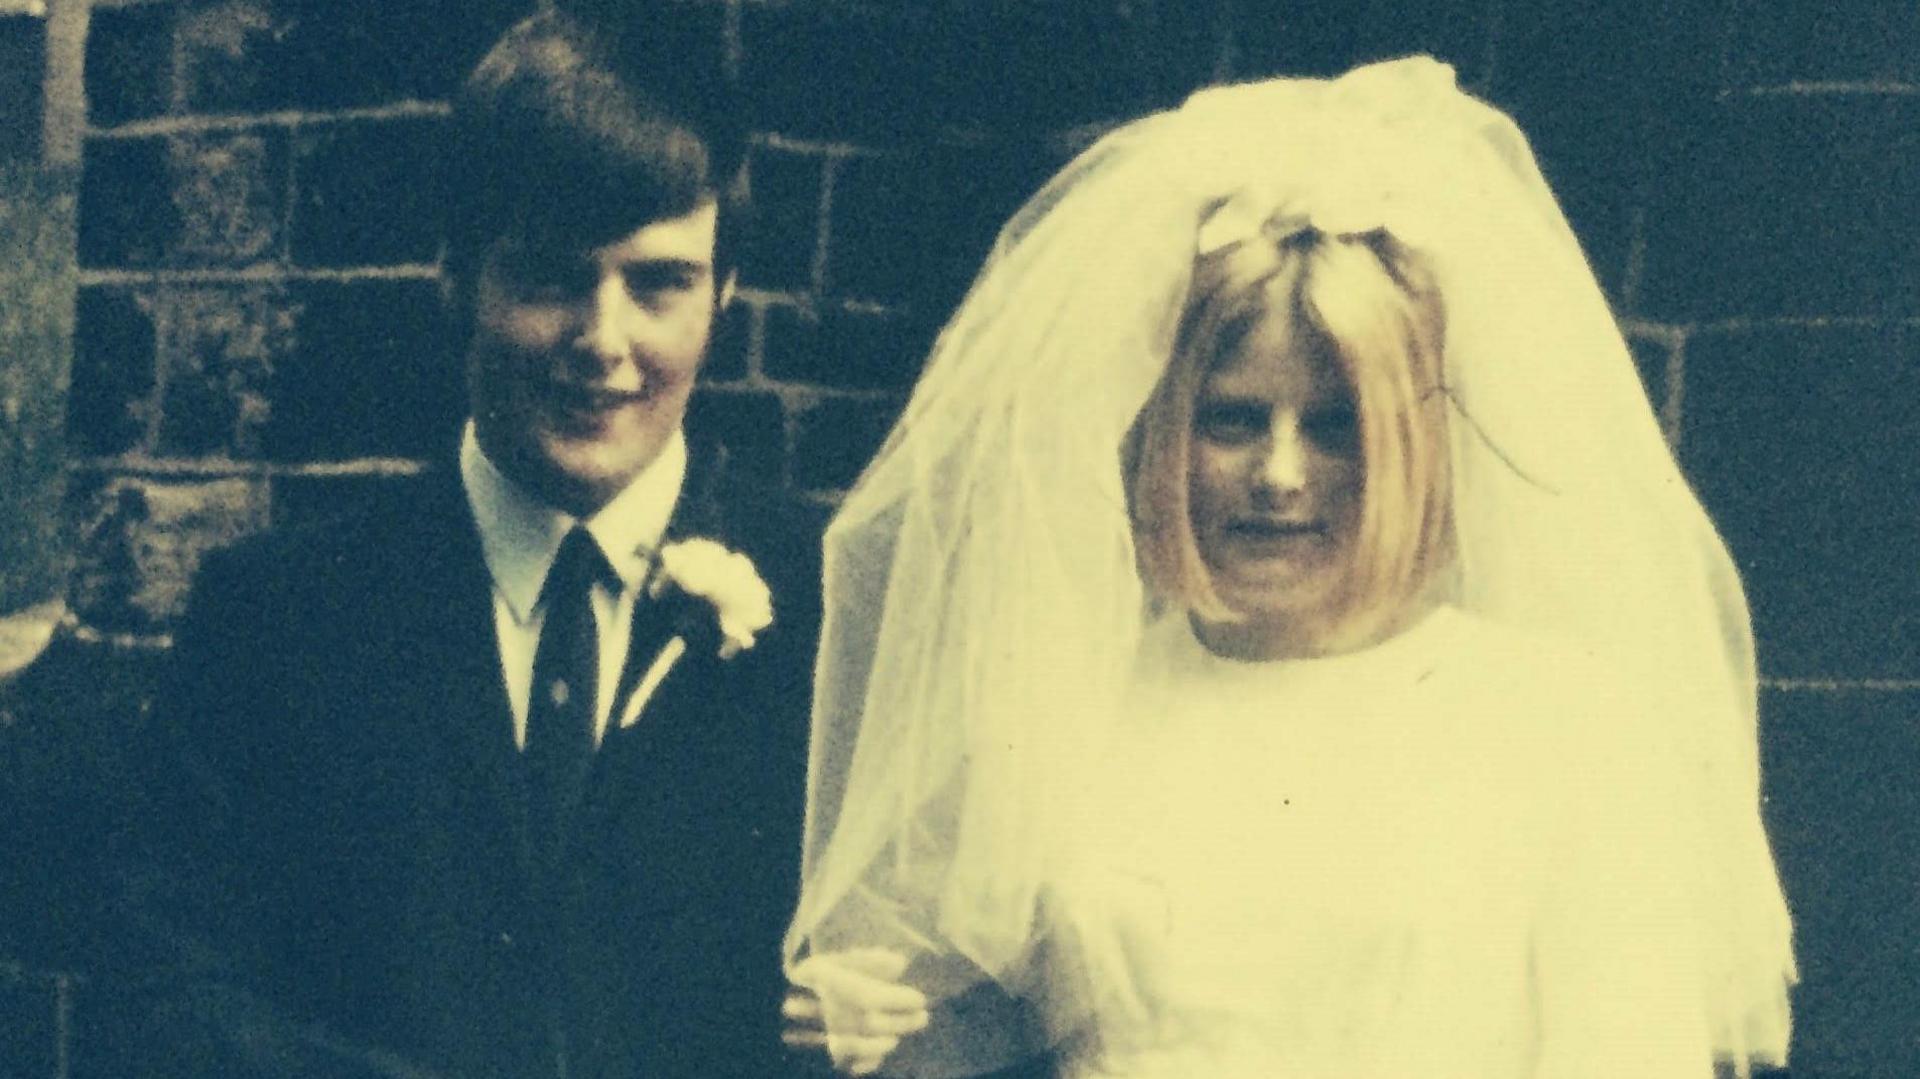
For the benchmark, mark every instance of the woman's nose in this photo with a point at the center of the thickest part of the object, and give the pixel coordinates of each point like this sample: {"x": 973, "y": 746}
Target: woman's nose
{"x": 1283, "y": 467}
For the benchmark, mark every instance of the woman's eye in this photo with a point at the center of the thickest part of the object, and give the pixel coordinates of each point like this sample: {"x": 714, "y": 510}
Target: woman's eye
{"x": 1229, "y": 423}
{"x": 1334, "y": 429}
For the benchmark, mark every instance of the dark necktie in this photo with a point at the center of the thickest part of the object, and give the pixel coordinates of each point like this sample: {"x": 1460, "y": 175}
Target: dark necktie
{"x": 560, "y": 707}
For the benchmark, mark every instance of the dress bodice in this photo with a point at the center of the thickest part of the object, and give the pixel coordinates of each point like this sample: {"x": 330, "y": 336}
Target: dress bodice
{"x": 1342, "y": 867}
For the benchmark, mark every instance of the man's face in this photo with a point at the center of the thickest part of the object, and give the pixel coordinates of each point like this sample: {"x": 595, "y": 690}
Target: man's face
{"x": 581, "y": 362}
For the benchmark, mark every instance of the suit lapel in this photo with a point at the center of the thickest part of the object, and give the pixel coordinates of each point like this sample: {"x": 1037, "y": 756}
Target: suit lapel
{"x": 461, "y": 672}
{"x": 697, "y": 512}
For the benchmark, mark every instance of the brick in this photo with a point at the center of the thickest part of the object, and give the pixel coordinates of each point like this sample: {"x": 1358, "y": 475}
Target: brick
{"x": 233, "y": 58}
{"x": 1790, "y": 206}
{"x": 732, "y": 345}
{"x": 141, "y": 539}
{"x": 129, "y": 63}
{"x": 1018, "y": 66}
{"x": 230, "y": 191}
{"x": 1579, "y": 60}
{"x": 373, "y": 373}
{"x": 1772, "y": 44}
{"x": 819, "y": 71}
{"x": 786, "y": 224}
{"x": 845, "y": 349}
{"x": 751, "y": 428}
{"x": 1601, "y": 216}
{"x": 1177, "y": 47}
{"x": 27, "y": 1024}
{"x": 368, "y": 193}
{"x": 1800, "y": 441}
{"x": 203, "y": 200}
{"x": 110, "y": 405}
{"x": 23, "y": 59}
{"x": 1322, "y": 39}
{"x": 1844, "y": 814}
{"x": 827, "y": 71}
{"x": 905, "y": 230}
{"x": 127, "y": 214}
{"x": 265, "y": 55}
{"x": 1605, "y": 92}
{"x": 218, "y": 348}
{"x": 835, "y": 439}
{"x": 367, "y": 52}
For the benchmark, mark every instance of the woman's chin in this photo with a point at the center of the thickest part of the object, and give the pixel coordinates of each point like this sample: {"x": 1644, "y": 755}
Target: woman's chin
{"x": 1275, "y": 590}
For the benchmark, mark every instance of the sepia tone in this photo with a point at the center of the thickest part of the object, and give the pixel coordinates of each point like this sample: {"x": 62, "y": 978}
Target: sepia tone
{"x": 220, "y": 257}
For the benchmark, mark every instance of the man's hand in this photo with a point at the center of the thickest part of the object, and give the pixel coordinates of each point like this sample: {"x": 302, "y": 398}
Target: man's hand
{"x": 853, "y": 1005}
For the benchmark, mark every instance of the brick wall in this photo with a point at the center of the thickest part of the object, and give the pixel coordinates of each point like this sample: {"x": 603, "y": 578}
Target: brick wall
{"x": 1780, "y": 250}
{"x": 257, "y": 321}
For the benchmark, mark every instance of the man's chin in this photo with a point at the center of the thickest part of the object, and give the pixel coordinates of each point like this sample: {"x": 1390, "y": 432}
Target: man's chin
{"x": 576, "y": 476}
{"x": 587, "y": 481}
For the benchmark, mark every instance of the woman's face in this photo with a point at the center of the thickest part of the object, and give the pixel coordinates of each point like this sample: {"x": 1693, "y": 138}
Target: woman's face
{"x": 1275, "y": 480}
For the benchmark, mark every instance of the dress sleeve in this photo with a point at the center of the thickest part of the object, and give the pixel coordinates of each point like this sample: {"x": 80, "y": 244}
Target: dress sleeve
{"x": 1616, "y": 964}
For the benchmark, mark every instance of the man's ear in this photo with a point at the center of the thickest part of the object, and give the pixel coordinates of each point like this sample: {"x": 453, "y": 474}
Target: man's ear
{"x": 725, "y": 295}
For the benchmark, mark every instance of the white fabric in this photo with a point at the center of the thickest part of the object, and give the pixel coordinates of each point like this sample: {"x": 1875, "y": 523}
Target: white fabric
{"x": 520, "y": 535}
{"x": 1400, "y": 870}
{"x": 983, "y": 611}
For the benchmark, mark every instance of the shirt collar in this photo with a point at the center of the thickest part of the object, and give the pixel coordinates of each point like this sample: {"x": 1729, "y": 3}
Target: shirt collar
{"x": 519, "y": 534}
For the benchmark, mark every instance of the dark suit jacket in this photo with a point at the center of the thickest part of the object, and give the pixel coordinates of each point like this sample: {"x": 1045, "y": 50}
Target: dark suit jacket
{"x": 342, "y": 784}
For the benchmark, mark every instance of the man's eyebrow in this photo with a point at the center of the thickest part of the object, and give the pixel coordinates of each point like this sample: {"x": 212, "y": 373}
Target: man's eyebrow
{"x": 673, "y": 263}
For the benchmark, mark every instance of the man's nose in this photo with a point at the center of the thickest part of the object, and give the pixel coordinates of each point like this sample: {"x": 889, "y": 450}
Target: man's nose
{"x": 1283, "y": 467}
{"x": 602, "y": 321}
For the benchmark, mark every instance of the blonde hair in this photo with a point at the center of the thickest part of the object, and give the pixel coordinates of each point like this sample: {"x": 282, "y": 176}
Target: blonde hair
{"x": 1372, "y": 304}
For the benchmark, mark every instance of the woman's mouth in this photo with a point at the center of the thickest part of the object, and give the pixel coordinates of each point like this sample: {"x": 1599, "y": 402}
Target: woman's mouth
{"x": 1275, "y": 528}
{"x": 1275, "y": 536}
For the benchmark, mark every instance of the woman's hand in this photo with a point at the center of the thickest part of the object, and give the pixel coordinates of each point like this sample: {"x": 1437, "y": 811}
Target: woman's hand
{"x": 853, "y": 1005}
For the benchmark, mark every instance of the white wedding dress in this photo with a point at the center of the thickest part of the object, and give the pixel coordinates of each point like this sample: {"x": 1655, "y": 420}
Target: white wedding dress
{"x": 1423, "y": 859}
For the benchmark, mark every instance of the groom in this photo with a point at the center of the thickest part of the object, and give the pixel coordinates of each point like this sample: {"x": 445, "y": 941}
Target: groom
{"x": 507, "y": 779}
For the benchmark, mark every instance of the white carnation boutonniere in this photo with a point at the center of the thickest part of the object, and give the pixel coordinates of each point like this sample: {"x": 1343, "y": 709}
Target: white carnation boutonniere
{"x": 726, "y": 599}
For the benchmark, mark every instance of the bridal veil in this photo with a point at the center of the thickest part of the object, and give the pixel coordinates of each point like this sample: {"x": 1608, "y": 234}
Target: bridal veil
{"x": 982, "y": 601}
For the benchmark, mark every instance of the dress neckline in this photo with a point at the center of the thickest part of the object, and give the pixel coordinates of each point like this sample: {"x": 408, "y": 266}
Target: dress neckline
{"x": 1424, "y": 637}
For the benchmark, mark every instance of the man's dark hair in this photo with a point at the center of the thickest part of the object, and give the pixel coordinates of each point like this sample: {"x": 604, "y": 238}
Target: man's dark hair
{"x": 573, "y": 137}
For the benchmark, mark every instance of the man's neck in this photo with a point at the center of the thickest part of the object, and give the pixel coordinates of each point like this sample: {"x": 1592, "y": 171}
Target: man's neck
{"x": 519, "y": 530}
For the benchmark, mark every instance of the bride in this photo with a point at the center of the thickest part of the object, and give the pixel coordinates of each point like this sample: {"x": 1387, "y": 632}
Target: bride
{"x": 1277, "y": 641}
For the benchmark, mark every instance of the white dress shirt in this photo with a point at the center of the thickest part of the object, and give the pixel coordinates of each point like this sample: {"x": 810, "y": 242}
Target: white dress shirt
{"x": 520, "y": 535}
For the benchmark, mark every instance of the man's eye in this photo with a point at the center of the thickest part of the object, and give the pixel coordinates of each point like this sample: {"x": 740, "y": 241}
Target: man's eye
{"x": 654, "y": 280}
{"x": 1229, "y": 423}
